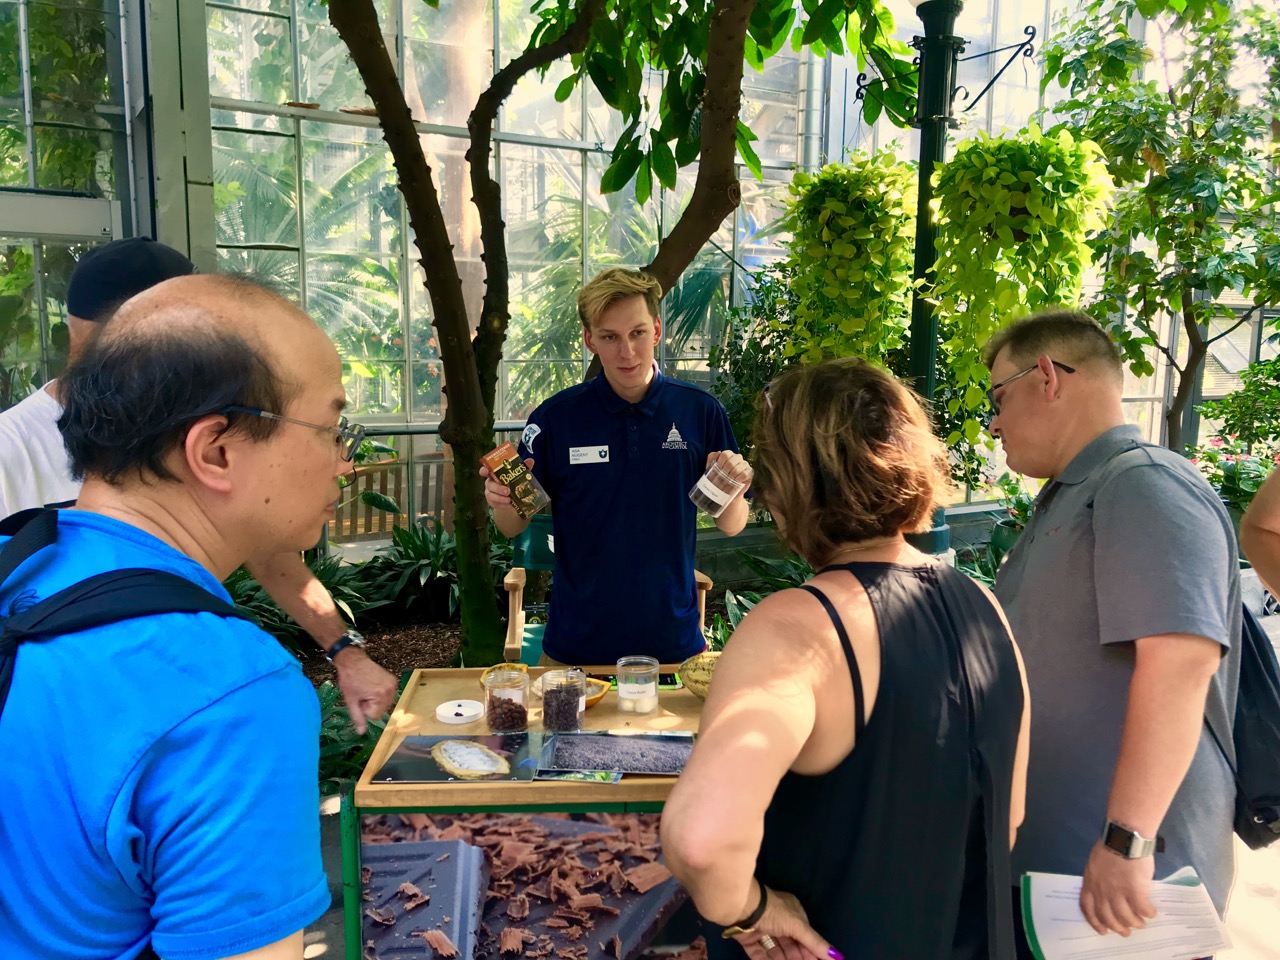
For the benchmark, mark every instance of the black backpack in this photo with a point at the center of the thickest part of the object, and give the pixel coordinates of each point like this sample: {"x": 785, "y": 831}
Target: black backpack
{"x": 98, "y": 600}
{"x": 1256, "y": 736}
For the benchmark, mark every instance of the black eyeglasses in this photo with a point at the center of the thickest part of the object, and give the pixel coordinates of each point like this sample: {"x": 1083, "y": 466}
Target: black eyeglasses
{"x": 350, "y": 435}
{"x": 991, "y": 392}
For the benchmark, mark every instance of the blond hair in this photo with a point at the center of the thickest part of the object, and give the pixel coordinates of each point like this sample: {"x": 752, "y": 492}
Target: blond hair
{"x": 617, "y": 283}
{"x": 1069, "y": 336}
{"x": 845, "y": 453}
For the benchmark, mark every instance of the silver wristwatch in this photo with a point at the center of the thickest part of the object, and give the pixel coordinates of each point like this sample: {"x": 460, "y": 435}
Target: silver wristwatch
{"x": 352, "y": 638}
{"x": 1128, "y": 843}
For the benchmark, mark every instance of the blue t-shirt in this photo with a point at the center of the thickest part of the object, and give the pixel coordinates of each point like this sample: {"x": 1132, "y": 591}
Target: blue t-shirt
{"x": 158, "y": 774}
{"x": 619, "y": 476}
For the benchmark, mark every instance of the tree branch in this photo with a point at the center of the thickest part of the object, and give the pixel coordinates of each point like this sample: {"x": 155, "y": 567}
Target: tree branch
{"x": 486, "y": 193}
{"x": 357, "y": 24}
{"x": 1248, "y": 315}
{"x": 716, "y": 192}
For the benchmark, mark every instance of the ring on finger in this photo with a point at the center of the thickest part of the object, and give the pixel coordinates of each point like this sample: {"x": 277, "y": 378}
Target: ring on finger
{"x": 767, "y": 942}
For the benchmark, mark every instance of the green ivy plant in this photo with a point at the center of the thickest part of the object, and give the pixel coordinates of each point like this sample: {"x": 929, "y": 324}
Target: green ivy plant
{"x": 850, "y": 258}
{"x": 1014, "y": 216}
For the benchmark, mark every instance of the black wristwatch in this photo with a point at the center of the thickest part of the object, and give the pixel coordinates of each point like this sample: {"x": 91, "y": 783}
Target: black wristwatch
{"x": 748, "y": 923}
{"x": 352, "y": 638}
{"x": 1128, "y": 843}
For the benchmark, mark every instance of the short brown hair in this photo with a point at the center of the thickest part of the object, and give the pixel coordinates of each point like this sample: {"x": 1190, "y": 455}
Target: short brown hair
{"x": 1070, "y": 336}
{"x": 844, "y": 453}
{"x": 617, "y": 283}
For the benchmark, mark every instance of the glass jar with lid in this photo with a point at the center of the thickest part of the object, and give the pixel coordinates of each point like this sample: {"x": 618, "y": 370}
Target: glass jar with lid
{"x": 506, "y": 700}
{"x": 637, "y": 685}
{"x": 564, "y": 700}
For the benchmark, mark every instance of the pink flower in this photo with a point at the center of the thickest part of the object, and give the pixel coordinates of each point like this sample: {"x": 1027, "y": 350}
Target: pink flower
{"x": 1216, "y": 442}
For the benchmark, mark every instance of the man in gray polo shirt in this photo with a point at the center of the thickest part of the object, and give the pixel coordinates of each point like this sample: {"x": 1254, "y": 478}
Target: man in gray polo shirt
{"x": 1124, "y": 594}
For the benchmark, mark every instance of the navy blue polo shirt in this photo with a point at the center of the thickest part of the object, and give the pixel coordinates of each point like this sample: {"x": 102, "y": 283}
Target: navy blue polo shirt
{"x": 619, "y": 476}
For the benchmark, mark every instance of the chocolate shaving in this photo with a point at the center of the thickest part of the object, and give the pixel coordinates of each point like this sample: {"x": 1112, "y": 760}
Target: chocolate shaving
{"x": 366, "y": 874}
{"x": 385, "y": 917}
{"x": 647, "y": 876}
{"x": 512, "y": 939}
{"x": 369, "y": 952}
{"x": 440, "y": 943}
{"x": 573, "y": 953}
{"x": 413, "y": 896}
{"x": 559, "y": 923}
{"x": 443, "y": 857}
{"x": 518, "y": 907}
{"x": 574, "y": 933}
{"x": 615, "y": 946}
{"x": 588, "y": 901}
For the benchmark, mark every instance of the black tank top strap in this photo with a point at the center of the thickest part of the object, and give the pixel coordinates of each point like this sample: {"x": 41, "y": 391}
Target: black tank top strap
{"x": 859, "y": 702}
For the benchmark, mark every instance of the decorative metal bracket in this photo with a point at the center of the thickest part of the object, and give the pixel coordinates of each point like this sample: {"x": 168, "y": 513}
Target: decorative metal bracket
{"x": 1024, "y": 49}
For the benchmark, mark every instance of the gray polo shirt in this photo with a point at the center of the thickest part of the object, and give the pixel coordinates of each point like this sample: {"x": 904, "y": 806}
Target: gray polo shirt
{"x": 1128, "y": 542}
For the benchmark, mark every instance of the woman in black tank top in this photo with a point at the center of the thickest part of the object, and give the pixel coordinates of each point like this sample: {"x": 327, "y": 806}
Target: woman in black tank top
{"x": 860, "y": 767}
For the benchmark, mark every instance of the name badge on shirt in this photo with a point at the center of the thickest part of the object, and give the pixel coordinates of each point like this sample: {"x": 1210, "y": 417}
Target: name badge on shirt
{"x": 588, "y": 455}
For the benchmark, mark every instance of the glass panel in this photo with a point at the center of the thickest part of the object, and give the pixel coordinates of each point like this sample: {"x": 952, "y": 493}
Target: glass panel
{"x": 260, "y": 6}
{"x": 72, "y": 49}
{"x": 693, "y": 311}
{"x": 771, "y": 107}
{"x": 72, "y": 159}
{"x": 278, "y": 268}
{"x": 620, "y": 232}
{"x": 690, "y": 371}
{"x": 356, "y": 300}
{"x": 373, "y": 388}
{"x": 350, "y": 202}
{"x": 532, "y": 107}
{"x": 528, "y": 383}
{"x": 448, "y": 58}
{"x": 1227, "y": 357}
{"x": 32, "y": 273}
{"x": 254, "y": 190}
{"x": 250, "y": 57}
{"x": 544, "y": 236}
{"x": 243, "y": 120}
{"x": 762, "y": 204}
{"x": 329, "y": 75}
{"x": 13, "y": 155}
{"x": 1147, "y": 415}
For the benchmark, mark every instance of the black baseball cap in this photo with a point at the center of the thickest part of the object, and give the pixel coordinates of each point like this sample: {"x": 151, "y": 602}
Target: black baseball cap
{"x": 107, "y": 276}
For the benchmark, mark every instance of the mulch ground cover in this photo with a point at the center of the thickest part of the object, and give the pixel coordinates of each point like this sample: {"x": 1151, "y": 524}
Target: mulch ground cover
{"x": 407, "y": 646}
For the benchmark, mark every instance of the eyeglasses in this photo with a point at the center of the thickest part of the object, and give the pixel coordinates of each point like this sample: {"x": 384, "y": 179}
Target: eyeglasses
{"x": 991, "y": 393}
{"x": 350, "y": 435}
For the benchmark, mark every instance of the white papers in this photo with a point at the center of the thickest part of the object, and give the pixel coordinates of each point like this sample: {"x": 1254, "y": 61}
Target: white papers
{"x": 1185, "y": 926}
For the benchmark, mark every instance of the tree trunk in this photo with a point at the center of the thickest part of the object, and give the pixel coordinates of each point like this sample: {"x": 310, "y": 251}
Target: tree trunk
{"x": 716, "y": 192}
{"x": 468, "y": 424}
{"x": 1197, "y": 349}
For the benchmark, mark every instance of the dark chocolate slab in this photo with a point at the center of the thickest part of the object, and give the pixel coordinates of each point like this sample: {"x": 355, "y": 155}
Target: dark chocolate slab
{"x": 452, "y": 873}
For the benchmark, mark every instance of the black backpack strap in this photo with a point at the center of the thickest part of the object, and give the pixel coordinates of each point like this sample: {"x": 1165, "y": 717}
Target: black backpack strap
{"x": 31, "y": 531}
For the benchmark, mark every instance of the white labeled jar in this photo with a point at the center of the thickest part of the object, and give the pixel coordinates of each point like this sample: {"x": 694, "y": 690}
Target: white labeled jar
{"x": 637, "y": 685}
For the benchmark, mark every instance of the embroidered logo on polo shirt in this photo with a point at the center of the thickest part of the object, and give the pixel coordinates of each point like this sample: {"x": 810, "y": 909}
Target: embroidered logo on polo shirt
{"x": 530, "y": 432}
{"x": 674, "y": 440}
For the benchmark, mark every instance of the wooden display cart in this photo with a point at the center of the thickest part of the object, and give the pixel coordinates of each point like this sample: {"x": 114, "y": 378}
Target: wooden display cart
{"x": 415, "y": 715}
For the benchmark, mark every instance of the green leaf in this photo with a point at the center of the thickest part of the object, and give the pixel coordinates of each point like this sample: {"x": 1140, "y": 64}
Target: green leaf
{"x": 664, "y": 163}
{"x": 619, "y": 173}
{"x": 749, "y": 157}
{"x": 565, "y": 88}
{"x": 379, "y": 501}
{"x": 644, "y": 181}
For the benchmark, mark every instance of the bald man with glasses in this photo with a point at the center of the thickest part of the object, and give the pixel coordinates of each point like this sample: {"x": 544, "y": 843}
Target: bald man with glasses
{"x": 1124, "y": 593}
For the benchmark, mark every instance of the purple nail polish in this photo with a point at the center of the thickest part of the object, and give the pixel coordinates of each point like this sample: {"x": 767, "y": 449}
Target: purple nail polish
{"x": 835, "y": 954}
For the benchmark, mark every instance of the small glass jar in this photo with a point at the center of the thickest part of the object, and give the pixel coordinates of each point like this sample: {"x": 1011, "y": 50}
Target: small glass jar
{"x": 637, "y": 685}
{"x": 564, "y": 700}
{"x": 506, "y": 700}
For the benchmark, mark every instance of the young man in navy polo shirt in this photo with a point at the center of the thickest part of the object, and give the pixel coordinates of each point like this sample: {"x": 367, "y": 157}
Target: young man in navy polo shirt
{"x": 618, "y": 455}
